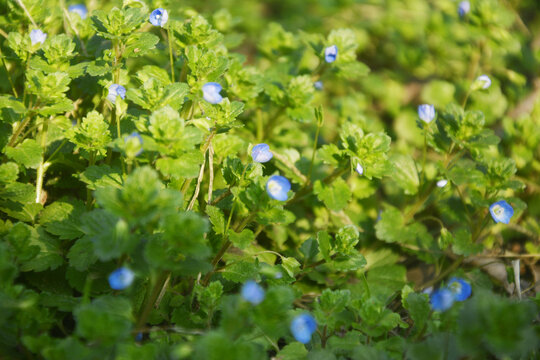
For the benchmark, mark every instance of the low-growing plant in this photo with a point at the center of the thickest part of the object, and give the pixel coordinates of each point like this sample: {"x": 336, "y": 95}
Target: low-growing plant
{"x": 183, "y": 180}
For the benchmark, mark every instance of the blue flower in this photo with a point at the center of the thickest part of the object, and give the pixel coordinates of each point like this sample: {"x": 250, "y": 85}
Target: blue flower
{"x": 278, "y": 187}
{"x": 37, "y": 36}
{"x": 121, "y": 278}
{"x": 442, "y": 299}
{"x": 426, "y": 113}
{"x": 501, "y": 211}
{"x": 116, "y": 90}
{"x": 463, "y": 8}
{"x": 134, "y": 143}
{"x": 252, "y": 292}
{"x": 159, "y": 17}
{"x": 302, "y": 327}
{"x": 139, "y": 337}
{"x": 261, "y": 153}
{"x": 79, "y": 9}
{"x": 318, "y": 85}
{"x": 211, "y": 92}
{"x": 442, "y": 183}
{"x": 359, "y": 169}
{"x": 330, "y": 54}
{"x": 483, "y": 81}
{"x": 460, "y": 288}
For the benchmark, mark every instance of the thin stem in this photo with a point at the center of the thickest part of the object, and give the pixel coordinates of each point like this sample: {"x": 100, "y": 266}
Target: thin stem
{"x": 91, "y": 161}
{"x": 8, "y": 75}
{"x": 211, "y": 172}
{"x": 170, "y": 51}
{"x": 42, "y": 166}
{"x": 315, "y": 143}
{"x": 19, "y": 130}
{"x": 21, "y": 4}
{"x": 66, "y": 15}
{"x": 424, "y": 151}
{"x": 151, "y": 299}
{"x": 64, "y": 142}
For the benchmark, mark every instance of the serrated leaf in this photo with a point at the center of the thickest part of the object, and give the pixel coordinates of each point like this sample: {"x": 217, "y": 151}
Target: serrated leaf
{"x": 97, "y": 176}
{"x": 243, "y": 239}
{"x": 335, "y": 196}
{"x": 28, "y": 153}
{"x": 405, "y": 173}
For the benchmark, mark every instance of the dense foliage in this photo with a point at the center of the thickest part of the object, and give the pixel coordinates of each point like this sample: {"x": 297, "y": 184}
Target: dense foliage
{"x": 270, "y": 179}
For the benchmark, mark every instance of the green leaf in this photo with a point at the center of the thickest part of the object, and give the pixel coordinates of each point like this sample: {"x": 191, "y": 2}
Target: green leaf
{"x": 61, "y": 218}
{"x": 384, "y": 281}
{"x": 390, "y": 227}
{"x": 241, "y": 271}
{"x": 291, "y": 265}
{"x": 186, "y": 166}
{"x": 324, "y": 239}
{"x": 50, "y": 255}
{"x": 92, "y": 134}
{"x": 12, "y": 103}
{"x": 293, "y": 351}
{"x": 81, "y": 254}
{"x": 139, "y": 44}
{"x": 8, "y": 173}
{"x": 462, "y": 243}
{"x": 97, "y": 176}
{"x": 28, "y": 153}
{"x": 405, "y": 173}
{"x": 107, "y": 319}
{"x": 216, "y": 218}
{"x": 243, "y": 239}
{"x": 419, "y": 309}
{"x": 335, "y": 196}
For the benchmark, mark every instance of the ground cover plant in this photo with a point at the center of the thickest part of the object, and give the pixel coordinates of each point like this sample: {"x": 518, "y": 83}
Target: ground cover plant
{"x": 270, "y": 179}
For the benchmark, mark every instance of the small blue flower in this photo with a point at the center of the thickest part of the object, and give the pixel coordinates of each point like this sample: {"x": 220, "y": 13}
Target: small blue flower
{"x": 136, "y": 142}
{"x": 79, "y": 9}
{"x": 302, "y": 327}
{"x": 37, "y": 36}
{"x": 252, "y": 292}
{"x": 501, "y": 211}
{"x": 442, "y": 299}
{"x": 460, "y": 288}
{"x": 116, "y": 90}
{"x": 463, "y": 8}
{"x": 211, "y": 92}
{"x": 426, "y": 113}
{"x": 484, "y": 81}
{"x": 278, "y": 275}
{"x": 159, "y": 17}
{"x": 359, "y": 169}
{"x": 318, "y": 85}
{"x": 330, "y": 54}
{"x": 139, "y": 337}
{"x": 278, "y": 187}
{"x": 261, "y": 153}
{"x": 442, "y": 183}
{"x": 121, "y": 278}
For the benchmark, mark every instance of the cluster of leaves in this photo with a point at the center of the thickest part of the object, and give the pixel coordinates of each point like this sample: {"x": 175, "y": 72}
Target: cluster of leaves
{"x": 367, "y": 230}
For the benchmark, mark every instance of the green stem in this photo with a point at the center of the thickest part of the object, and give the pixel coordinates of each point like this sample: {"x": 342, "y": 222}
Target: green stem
{"x": 315, "y": 143}
{"x": 64, "y": 142}
{"x": 151, "y": 299}
{"x": 8, "y": 75}
{"x": 19, "y": 130}
{"x": 170, "y": 51}
{"x": 43, "y": 165}
{"x": 89, "y": 199}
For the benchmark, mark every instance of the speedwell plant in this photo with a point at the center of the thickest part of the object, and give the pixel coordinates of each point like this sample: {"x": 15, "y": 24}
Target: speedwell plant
{"x": 284, "y": 180}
